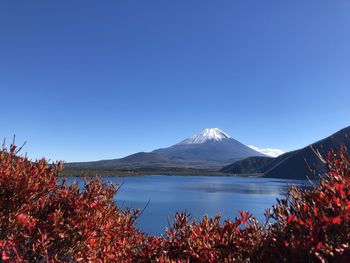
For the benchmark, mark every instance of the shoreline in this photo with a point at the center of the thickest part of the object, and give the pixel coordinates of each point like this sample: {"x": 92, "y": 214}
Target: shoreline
{"x": 83, "y": 172}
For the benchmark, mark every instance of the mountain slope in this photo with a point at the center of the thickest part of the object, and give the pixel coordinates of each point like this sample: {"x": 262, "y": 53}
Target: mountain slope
{"x": 141, "y": 158}
{"x": 211, "y": 145}
{"x": 293, "y": 165}
{"x": 250, "y": 165}
{"x": 296, "y": 164}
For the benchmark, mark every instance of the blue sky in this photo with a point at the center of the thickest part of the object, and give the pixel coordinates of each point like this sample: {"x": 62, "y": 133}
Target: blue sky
{"x": 88, "y": 80}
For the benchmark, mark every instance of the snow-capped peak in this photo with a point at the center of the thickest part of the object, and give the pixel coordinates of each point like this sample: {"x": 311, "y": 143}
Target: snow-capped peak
{"x": 209, "y": 134}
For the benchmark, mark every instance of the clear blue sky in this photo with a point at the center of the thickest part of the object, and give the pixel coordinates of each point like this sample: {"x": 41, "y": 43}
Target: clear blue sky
{"x": 88, "y": 80}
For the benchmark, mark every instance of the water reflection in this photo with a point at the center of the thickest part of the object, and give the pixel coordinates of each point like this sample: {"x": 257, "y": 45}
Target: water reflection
{"x": 197, "y": 195}
{"x": 250, "y": 188}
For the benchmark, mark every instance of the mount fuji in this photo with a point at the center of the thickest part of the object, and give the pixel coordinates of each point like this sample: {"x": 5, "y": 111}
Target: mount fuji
{"x": 212, "y": 145}
{"x": 210, "y": 149}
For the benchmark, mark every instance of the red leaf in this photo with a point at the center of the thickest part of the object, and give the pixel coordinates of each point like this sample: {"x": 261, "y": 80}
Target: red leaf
{"x": 336, "y": 220}
{"x": 4, "y": 255}
{"x": 319, "y": 245}
{"x": 26, "y": 220}
{"x": 291, "y": 218}
{"x": 92, "y": 243}
{"x": 347, "y": 205}
{"x": 305, "y": 208}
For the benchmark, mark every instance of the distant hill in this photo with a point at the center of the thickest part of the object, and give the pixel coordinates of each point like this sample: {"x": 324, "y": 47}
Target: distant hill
{"x": 141, "y": 158}
{"x": 210, "y": 149}
{"x": 295, "y": 164}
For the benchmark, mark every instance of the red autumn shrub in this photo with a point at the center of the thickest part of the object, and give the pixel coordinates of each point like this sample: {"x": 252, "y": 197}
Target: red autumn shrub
{"x": 42, "y": 219}
{"x": 314, "y": 224}
{"x": 210, "y": 241}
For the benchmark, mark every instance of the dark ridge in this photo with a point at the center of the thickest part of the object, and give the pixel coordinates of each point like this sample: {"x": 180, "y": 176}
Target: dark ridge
{"x": 250, "y": 165}
{"x": 304, "y": 163}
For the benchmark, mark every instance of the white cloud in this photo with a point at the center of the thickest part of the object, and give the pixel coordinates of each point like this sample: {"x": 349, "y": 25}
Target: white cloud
{"x": 268, "y": 151}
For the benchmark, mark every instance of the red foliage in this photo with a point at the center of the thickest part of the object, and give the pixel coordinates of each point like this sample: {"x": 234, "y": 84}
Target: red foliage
{"x": 42, "y": 219}
{"x": 210, "y": 241}
{"x": 315, "y": 224}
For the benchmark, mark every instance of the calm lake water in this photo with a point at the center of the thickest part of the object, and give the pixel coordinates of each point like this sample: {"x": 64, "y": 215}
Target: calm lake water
{"x": 198, "y": 195}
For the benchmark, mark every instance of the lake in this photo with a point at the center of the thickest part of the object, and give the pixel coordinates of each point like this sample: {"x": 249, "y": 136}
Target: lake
{"x": 198, "y": 195}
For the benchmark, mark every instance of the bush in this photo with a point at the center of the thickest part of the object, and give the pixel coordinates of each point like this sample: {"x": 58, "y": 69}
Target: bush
{"x": 315, "y": 224}
{"x": 42, "y": 219}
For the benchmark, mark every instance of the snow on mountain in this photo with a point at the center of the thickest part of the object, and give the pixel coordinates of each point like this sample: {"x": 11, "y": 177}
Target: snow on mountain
{"x": 209, "y": 134}
{"x": 268, "y": 151}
